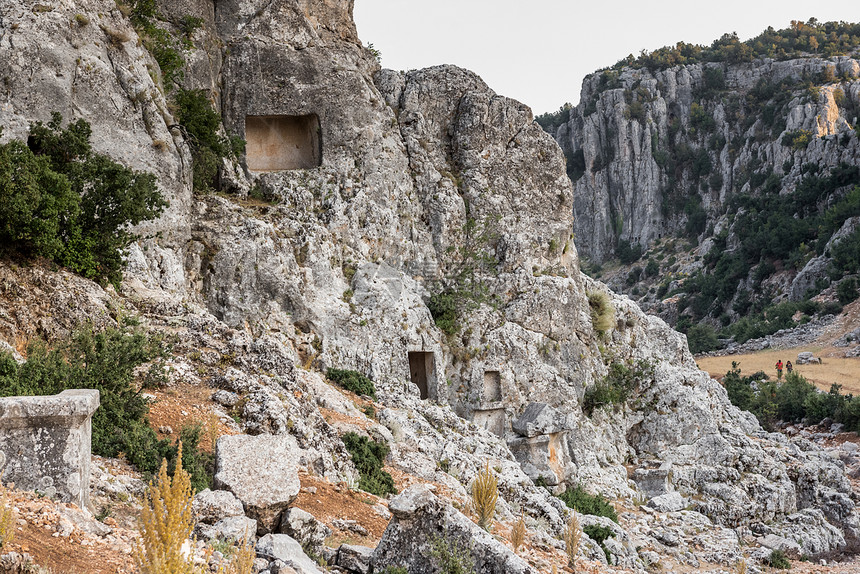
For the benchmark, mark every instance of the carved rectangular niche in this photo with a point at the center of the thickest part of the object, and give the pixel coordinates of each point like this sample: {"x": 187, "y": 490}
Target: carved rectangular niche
{"x": 492, "y": 419}
{"x": 492, "y": 386}
{"x": 278, "y": 143}
{"x": 422, "y": 371}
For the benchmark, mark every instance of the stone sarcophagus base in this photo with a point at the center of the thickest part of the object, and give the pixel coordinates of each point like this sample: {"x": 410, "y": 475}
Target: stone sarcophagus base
{"x": 45, "y": 443}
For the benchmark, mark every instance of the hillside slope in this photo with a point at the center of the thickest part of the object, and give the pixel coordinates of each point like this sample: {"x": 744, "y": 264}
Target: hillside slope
{"x": 424, "y": 240}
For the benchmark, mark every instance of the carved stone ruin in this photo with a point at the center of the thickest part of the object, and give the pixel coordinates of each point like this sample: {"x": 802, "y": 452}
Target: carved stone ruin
{"x": 45, "y": 443}
{"x": 422, "y": 371}
{"x": 277, "y": 143}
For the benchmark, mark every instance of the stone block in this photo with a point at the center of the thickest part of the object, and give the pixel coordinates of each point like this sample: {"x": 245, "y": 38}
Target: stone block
{"x": 45, "y": 443}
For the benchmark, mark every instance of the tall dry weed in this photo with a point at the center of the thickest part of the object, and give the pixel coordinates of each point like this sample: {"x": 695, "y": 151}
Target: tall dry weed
{"x": 572, "y": 538}
{"x": 485, "y": 494}
{"x": 518, "y": 533}
{"x": 7, "y": 518}
{"x": 166, "y": 522}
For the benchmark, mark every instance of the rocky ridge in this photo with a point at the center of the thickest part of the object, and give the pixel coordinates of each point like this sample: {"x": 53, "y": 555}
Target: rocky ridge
{"x": 336, "y": 270}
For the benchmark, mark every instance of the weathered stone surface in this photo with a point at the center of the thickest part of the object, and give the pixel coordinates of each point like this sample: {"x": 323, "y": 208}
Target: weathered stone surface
{"x": 669, "y": 502}
{"x": 210, "y": 506}
{"x": 286, "y": 549}
{"x": 537, "y": 419}
{"x": 235, "y": 529}
{"x": 301, "y": 525}
{"x": 45, "y": 443}
{"x": 422, "y": 520}
{"x": 354, "y": 558}
{"x": 262, "y": 471}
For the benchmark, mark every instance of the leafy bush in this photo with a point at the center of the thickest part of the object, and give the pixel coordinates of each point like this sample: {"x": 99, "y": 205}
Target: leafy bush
{"x": 778, "y": 559}
{"x": 628, "y": 253}
{"x": 66, "y": 203}
{"x": 352, "y": 381}
{"x": 450, "y": 558}
{"x": 617, "y": 385}
{"x": 444, "y": 310}
{"x": 106, "y": 361}
{"x": 208, "y": 147}
{"x": 846, "y": 291}
{"x": 602, "y": 311}
{"x": 368, "y": 457}
{"x": 827, "y": 38}
{"x": 791, "y": 401}
{"x": 167, "y": 50}
{"x": 599, "y": 534}
{"x": 702, "y": 338}
{"x": 584, "y": 503}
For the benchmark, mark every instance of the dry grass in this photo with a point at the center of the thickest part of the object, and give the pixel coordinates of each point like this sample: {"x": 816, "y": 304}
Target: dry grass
{"x": 839, "y": 370}
{"x": 602, "y": 311}
{"x": 572, "y": 538}
{"x": 741, "y": 567}
{"x": 243, "y": 561}
{"x": 518, "y": 533}
{"x": 166, "y": 522}
{"x": 7, "y": 519}
{"x": 485, "y": 494}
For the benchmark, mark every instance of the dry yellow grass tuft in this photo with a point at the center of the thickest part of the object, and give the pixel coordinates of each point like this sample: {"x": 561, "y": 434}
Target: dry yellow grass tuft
{"x": 485, "y": 494}
{"x": 243, "y": 561}
{"x": 518, "y": 533}
{"x": 572, "y": 538}
{"x": 602, "y": 311}
{"x": 741, "y": 567}
{"x": 7, "y": 519}
{"x": 166, "y": 522}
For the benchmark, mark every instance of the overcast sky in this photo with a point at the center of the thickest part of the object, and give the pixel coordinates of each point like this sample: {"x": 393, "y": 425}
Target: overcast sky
{"x": 539, "y": 51}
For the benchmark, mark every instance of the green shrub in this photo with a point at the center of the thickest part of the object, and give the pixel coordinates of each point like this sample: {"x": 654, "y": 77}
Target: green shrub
{"x": 106, "y": 361}
{"x": 778, "y": 559}
{"x": 450, "y": 558}
{"x": 617, "y": 385}
{"x": 584, "y": 503}
{"x": 846, "y": 291}
{"x": 444, "y": 310}
{"x": 702, "y": 338}
{"x": 208, "y": 147}
{"x": 797, "y": 139}
{"x": 165, "y": 49}
{"x": 66, "y": 203}
{"x": 352, "y": 381}
{"x": 368, "y": 457}
{"x": 599, "y": 534}
{"x": 628, "y": 253}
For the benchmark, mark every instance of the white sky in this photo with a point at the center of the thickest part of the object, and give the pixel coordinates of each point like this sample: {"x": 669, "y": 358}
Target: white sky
{"x": 539, "y": 51}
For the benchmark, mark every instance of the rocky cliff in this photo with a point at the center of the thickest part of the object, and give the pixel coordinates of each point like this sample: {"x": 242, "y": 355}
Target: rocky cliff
{"x": 724, "y": 157}
{"x": 428, "y": 185}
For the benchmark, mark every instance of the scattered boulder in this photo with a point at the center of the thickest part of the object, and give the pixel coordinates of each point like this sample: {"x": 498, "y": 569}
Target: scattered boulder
{"x": 286, "y": 549}
{"x": 669, "y": 502}
{"x": 262, "y": 471}
{"x": 653, "y": 482}
{"x": 423, "y": 525}
{"x": 304, "y": 527}
{"x": 806, "y": 357}
{"x": 210, "y": 506}
{"x": 354, "y": 558}
{"x": 225, "y": 398}
{"x": 232, "y": 529}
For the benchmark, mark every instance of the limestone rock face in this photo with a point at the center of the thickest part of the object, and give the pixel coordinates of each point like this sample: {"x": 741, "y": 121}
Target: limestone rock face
{"x": 262, "y": 471}
{"x": 422, "y": 177}
{"x": 422, "y": 522}
{"x": 620, "y": 133}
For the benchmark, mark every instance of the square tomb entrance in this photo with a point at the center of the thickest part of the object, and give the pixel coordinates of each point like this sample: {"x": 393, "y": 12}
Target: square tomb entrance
{"x": 278, "y": 143}
{"x": 422, "y": 371}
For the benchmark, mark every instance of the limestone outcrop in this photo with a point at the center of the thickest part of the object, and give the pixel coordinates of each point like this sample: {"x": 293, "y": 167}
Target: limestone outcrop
{"x": 429, "y": 185}
{"x": 630, "y": 122}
